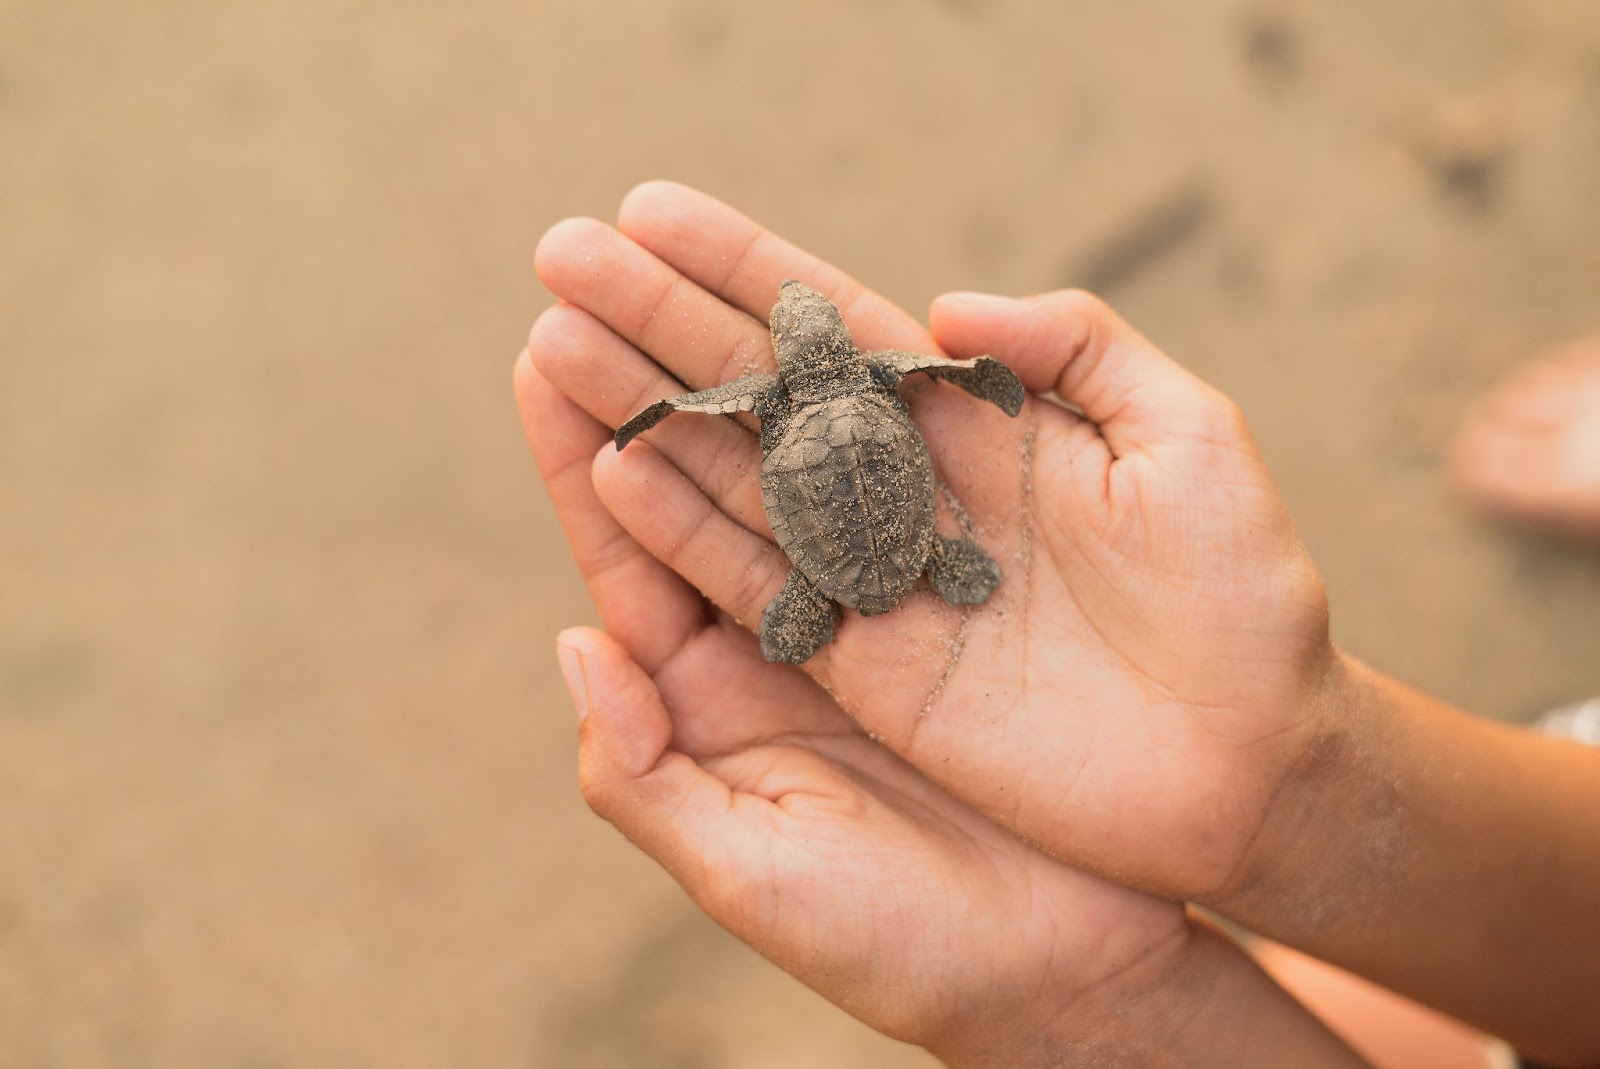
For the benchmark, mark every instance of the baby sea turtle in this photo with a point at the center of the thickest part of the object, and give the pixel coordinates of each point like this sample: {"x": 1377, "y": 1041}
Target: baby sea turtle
{"x": 845, "y": 477}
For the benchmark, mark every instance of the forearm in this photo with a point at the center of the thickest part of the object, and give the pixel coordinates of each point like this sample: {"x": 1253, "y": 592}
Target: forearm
{"x": 1451, "y": 859}
{"x": 1208, "y": 1005}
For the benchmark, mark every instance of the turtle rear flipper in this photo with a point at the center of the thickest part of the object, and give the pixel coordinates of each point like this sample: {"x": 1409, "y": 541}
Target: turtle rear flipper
{"x": 961, "y": 573}
{"x": 797, "y": 623}
{"x": 740, "y": 395}
{"x": 984, "y": 377}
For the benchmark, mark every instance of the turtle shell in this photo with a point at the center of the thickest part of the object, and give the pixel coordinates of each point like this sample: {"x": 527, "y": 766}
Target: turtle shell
{"x": 849, "y": 491}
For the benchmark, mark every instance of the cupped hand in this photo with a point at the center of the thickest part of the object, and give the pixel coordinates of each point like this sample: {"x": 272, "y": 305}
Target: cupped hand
{"x": 1146, "y": 677}
{"x": 803, "y": 836}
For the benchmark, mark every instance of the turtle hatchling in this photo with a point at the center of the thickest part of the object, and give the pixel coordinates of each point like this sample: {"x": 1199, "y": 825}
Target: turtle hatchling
{"x": 846, "y": 478}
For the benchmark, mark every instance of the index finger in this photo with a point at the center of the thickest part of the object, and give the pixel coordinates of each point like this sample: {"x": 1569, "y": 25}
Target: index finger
{"x": 651, "y": 610}
{"x": 735, "y": 258}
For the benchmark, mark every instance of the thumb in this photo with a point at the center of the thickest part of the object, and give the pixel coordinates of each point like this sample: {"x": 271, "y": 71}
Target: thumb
{"x": 1071, "y": 342}
{"x": 664, "y": 803}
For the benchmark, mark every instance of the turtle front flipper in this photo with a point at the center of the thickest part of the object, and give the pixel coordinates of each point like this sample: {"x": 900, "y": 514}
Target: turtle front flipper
{"x": 740, "y": 395}
{"x": 984, "y": 377}
{"x": 797, "y": 623}
{"x": 961, "y": 573}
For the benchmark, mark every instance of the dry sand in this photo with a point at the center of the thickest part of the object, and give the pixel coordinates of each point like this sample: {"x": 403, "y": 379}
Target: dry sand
{"x": 285, "y": 767}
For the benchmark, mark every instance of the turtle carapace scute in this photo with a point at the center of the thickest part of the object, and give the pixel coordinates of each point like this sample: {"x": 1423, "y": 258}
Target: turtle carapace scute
{"x": 846, "y": 479}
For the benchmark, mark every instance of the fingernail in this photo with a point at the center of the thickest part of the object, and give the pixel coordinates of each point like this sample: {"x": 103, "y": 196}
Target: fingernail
{"x": 571, "y": 662}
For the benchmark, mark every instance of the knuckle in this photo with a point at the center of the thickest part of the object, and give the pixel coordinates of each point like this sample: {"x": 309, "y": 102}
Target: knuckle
{"x": 750, "y": 588}
{"x": 597, "y": 793}
{"x": 749, "y": 352}
{"x": 671, "y": 287}
{"x": 681, "y": 550}
{"x": 1082, "y": 303}
{"x": 728, "y": 469}
{"x": 1222, "y": 415}
{"x": 609, "y": 557}
{"x": 1076, "y": 322}
{"x": 648, "y": 391}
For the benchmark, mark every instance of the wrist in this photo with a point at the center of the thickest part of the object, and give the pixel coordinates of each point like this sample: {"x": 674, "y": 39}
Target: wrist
{"x": 1195, "y": 1001}
{"x": 1437, "y": 855}
{"x": 1124, "y": 1019}
{"x": 1232, "y": 1013}
{"x": 1068, "y": 1026}
{"x": 1334, "y": 834}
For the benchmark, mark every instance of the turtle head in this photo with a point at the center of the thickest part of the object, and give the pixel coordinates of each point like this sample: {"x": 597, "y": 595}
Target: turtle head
{"x": 808, "y": 333}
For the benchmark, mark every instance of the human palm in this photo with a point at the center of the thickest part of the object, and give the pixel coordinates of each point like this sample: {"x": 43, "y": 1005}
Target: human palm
{"x": 1143, "y": 680}
{"x": 798, "y": 832}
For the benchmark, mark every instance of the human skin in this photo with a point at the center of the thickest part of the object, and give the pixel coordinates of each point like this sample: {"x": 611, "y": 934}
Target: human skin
{"x": 1152, "y": 694}
{"x": 850, "y": 869}
{"x": 1389, "y": 1031}
{"x": 1530, "y": 450}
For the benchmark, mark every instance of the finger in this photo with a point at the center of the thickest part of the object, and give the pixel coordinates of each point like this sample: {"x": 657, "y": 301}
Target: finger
{"x": 738, "y": 260}
{"x": 684, "y": 529}
{"x": 730, "y": 847}
{"x": 650, "y": 609}
{"x": 612, "y": 381}
{"x": 664, "y": 803}
{"x": 721, "y": 670}
{"x": 1533, "y": 473}
{"x": 700, "y": 339}
{"x": 892, "y": 658}
{"x": 704, "y": 666}
{"x": 1071, "y": 342}
{"x": 743, "y": 263}
{"x": 651, "y": 306}
{"x": 1541, "y": 397}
